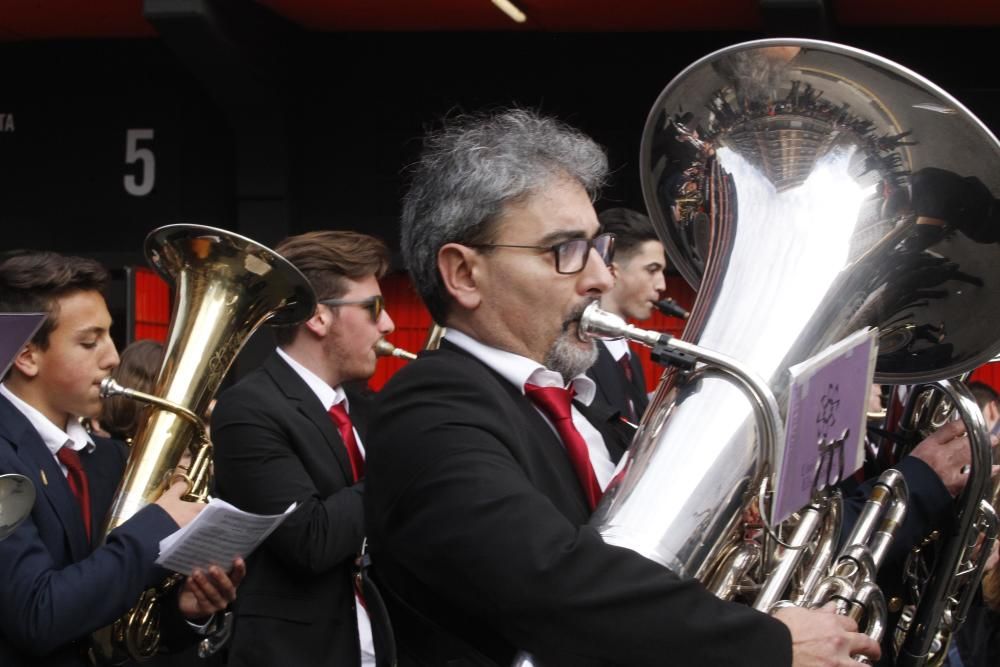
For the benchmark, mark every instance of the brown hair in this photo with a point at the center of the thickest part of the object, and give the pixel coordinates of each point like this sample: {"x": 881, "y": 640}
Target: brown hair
{"x": 35, "y": 281}
{"x": 328, "y": 259}
{"x": 140, "y": 362}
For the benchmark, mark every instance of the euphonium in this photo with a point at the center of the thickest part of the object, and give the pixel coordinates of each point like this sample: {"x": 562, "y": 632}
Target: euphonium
{"x": 225, "y": 286}
{"x": 805, "y": 190}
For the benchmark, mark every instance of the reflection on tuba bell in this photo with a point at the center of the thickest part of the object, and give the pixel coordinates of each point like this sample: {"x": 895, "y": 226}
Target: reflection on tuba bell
{"x": 806, "y": 190}
{"x": 225, "y": 287}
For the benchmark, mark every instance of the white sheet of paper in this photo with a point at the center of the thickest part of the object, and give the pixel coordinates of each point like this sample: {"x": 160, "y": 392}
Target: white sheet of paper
{"x": 219, "y": 533}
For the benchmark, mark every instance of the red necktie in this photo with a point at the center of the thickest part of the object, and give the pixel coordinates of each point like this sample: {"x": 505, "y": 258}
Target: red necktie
{"x": 343, "y": 422}
{"x": 626, "y": 367}
{"x": 556, "y": 403}
{"x": 78, "y": 483}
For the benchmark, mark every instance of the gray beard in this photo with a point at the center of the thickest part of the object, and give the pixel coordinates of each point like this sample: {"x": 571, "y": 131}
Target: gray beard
{"x": 568, "y": 359}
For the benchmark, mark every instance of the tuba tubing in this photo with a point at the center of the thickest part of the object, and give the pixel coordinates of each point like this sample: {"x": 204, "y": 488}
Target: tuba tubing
{"x": 950, "y": 588}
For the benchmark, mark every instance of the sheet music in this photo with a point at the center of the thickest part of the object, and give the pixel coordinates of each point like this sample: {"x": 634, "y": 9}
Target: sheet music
{"x": 219, "y": 533}
{"x": 825, "y": 426}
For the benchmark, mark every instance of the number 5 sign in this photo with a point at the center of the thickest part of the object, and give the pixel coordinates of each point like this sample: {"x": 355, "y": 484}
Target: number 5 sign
{"x": 141, "y": 184}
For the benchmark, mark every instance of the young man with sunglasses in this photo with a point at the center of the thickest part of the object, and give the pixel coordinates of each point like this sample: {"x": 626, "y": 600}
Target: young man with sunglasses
{"x": 288, "y": 433}
{"x": 487, "y": 455}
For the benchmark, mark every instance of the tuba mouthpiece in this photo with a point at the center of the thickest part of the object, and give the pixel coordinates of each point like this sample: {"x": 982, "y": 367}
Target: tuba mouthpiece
{"x": 602, "y": 325}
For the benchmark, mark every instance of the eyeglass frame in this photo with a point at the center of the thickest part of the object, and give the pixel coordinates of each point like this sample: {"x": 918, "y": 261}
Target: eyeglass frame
{"x": 555, "y": 248}
{"x": 374, "y": 304}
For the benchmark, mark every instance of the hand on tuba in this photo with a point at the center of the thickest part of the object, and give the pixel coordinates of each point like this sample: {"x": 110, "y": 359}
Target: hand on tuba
{"x": 181, "y": 511}
{"x": 947, "y": 452}
{"x": 822, "y": 635}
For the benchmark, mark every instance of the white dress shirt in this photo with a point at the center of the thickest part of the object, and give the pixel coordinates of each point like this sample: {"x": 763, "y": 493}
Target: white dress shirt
{"x": 75, "y": 436}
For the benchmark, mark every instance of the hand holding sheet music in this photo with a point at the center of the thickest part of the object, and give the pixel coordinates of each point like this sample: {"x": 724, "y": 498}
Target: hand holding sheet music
{"x": 220, "y": 533}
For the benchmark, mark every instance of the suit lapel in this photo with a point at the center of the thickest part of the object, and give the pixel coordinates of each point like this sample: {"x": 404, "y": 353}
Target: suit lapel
{"x": 545, "y": 455}
{"x": 308, "y": 404}
{"x": 50, "y": 482}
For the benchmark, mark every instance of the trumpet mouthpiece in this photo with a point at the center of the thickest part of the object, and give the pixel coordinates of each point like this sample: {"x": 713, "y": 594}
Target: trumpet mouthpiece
{"x": 384, "y": 348}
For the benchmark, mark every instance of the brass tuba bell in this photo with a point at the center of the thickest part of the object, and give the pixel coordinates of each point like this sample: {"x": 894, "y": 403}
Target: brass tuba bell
{"x": 225, "y": 287}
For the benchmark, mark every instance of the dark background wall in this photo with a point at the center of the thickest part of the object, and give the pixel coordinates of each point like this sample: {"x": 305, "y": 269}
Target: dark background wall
{"x": 339, "y": 116}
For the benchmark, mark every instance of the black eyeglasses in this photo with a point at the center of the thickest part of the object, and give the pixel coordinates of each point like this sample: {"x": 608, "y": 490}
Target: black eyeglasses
{"x": 373, "y": 304}
{"x": 572, "y": 255}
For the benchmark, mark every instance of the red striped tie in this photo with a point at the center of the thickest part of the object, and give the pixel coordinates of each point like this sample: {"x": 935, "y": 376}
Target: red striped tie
{"x": 556, "y": 403}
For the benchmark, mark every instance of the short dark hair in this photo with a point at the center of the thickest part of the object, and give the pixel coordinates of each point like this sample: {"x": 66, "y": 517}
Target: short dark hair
{"x": 33, "y": 282}
{"x": 984, "y": 394}
{"x": 328, "y": 259}
{"x": 631, "y": 229}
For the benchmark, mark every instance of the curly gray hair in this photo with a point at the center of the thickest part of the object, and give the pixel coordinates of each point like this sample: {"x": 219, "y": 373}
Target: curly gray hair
{"x": 470, "y": 170}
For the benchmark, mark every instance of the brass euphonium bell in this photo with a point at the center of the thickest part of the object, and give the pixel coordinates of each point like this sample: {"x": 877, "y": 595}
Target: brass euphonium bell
{"x": 225, "y": 287}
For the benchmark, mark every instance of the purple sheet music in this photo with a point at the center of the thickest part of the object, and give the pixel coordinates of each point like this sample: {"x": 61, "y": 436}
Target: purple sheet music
{"x": 825, "y": 427}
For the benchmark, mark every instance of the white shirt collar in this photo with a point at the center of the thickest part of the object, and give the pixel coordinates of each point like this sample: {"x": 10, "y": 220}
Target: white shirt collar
{"x": 617, "y": 347}
{"x": 75, "y": 436}
{"x": 327, "y": 395}
{"x": 517, "y": 369}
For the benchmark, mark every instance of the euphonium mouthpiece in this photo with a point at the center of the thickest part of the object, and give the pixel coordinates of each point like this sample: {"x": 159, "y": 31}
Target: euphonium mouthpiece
{"x": 384, "y": 348}
{"x": 671, "y": 308}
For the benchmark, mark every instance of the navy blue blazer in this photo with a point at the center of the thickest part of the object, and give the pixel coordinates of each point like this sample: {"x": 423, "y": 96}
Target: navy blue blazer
{"x": 55, "y": 588}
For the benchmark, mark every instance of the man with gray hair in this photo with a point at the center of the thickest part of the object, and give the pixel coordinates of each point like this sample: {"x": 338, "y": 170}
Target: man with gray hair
{"x": 486, "y": 457}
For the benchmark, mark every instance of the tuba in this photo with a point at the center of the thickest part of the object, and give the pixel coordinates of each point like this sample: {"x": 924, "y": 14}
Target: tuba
{"x": 225, "y": 287}
{"x": 806, "y": 190}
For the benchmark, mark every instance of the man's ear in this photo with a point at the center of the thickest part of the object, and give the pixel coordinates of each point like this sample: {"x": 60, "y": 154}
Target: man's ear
{"x": 27, "y": 360}
{"x": 320, "y": 321}
{"x": 460, "y": 267}
{"x": 992, "y": 412}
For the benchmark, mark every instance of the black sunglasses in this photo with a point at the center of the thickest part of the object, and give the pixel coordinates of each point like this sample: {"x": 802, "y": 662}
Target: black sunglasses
{"x": 572, "y": 255}
{"x": 373, "y": 304}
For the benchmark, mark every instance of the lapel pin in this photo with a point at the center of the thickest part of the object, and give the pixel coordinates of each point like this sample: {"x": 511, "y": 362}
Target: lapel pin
{"x": 45, "y": 480}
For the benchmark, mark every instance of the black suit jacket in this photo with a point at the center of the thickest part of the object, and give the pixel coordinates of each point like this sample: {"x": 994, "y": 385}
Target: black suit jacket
{"x": 613, "y": 388}
{"x": 55, "y": 587}
{"x": 479, "y": 525}
{"x": 274, "y": 445}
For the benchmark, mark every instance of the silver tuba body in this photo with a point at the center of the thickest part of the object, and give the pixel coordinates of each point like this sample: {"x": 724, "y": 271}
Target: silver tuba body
{"x": 806, "y": 190}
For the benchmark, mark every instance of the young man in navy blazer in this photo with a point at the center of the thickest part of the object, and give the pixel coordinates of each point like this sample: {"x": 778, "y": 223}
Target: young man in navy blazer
{"x": 637, "y": 268}
{"x": 60, "y": 583}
